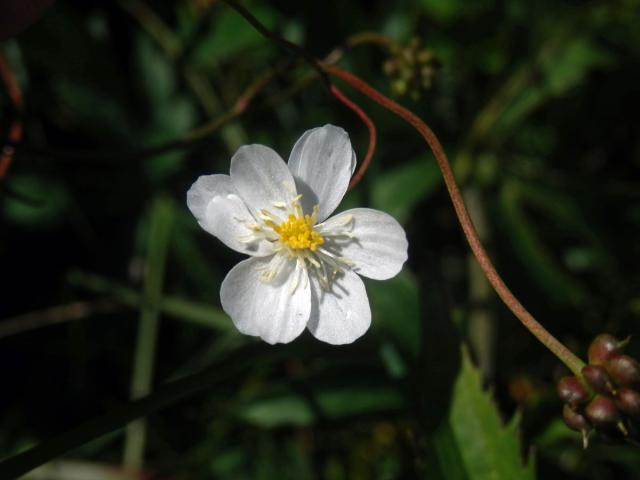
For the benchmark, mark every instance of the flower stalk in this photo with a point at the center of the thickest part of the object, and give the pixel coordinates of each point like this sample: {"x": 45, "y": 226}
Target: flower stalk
{"x": 547, "y": 339}
{"x": 364, "y": 165}
{"x": 565, "y": 355}
{"x": 15, "y": 129}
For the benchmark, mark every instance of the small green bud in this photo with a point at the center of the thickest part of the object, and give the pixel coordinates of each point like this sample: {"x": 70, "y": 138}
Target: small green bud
{"x": 399, "y": 87}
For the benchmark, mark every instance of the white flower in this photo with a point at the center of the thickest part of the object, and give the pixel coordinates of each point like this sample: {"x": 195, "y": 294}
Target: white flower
{"x": 303, "y": 270}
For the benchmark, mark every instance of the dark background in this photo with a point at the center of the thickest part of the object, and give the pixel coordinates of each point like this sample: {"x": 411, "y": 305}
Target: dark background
{"x": 537, "y": 106}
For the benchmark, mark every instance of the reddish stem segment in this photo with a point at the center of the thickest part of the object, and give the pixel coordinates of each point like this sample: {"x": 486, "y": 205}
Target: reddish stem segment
{"x": 15, "y": 129}
{"x": 372, "y": 134}
{"x": 562, "y": 352}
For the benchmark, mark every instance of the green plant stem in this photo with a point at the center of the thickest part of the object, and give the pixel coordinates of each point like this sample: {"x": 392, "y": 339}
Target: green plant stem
{"x": 172, "y": 306}
{"x": 154, "y": 26}
{"x": 233, "y": 134}
{"x": 563, "y": 353}
{"x": 481, "y": 324}
{"x": 489, "y": 116}
{"x": 277, "y": 39}
{"x": 158, "y": 245}
{"x": 165, "y": 395}
{"x": 54, "y": 315}
{"x": 204, "y": 132}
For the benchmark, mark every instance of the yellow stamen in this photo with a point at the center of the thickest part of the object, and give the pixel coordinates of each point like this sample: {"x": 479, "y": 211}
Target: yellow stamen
{"x": 297, "y": 231}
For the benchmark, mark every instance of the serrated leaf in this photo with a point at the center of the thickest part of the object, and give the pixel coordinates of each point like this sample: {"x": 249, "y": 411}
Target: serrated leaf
{"x": 488, "y": 449}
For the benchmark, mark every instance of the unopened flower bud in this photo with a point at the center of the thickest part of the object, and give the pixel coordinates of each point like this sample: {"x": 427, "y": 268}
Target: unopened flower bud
{"x": 602, "y": 348}
{"x": 624, "y": 370}
{"x": 602, "y": 412}
{"x": 399, "y": 87}
{"x": 598, "y": 378}
{"x": 628, "y": 401}
{"x": 574, "y": 420}
{"x": 571, "y": 391}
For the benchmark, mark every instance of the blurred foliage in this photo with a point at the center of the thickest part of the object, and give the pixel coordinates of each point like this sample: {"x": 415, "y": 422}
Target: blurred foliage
{"x": 536, "y": 103}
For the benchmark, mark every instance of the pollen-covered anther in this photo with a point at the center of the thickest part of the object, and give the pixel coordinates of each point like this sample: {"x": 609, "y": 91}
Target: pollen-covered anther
{"x": 297, "y": 232}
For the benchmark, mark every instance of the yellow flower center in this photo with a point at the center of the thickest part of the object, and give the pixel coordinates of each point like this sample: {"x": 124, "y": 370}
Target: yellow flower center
{"x": 298, "y": 234}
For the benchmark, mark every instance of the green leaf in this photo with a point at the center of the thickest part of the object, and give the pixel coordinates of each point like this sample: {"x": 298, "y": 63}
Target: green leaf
{"x": 44, "y": 204}
{"x": 158, "y": 239}
{"x": 165, "y": 395}
{"x": 278, "y": 411}
{"x": 395, "y": 308}
{"x": 289, "y": 409}
{"x": 449, "y": 10}
{"x": 172, "y": 114}
{"x": 573, "y": 63}
{"x": 536, "y": 257}
{"x": 202, "y": 274}
{"x": 92, "y": 109}
{"x": 204, "y": 315}
{"x": 229, "y": 34}
{"x": 487, "y": 448}
{"x": 564, "y": 64}
{"x": 156, "y": 72}
{"x": 399, "y": 190}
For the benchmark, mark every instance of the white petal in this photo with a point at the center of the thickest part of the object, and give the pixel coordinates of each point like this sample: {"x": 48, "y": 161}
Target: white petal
{"x": 378, "y": 247}
{"x": 261, "y": 178}
{"x": 322, "y": 162}
{"x": 342, "y": 314}
{"x": 203, "y": 190}
{"x": 276, "y": 311}
{"x": 219, "y": 210}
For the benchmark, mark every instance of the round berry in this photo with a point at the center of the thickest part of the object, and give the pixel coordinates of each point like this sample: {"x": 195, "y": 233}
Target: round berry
{"x": 571, "y": 391}
{"x": 628, "y": 401}
{"x": 574, "y": 420}
{"x": 624, "y": 370}
{"x": 602, "y": 348}
{"x": 598, "y": 378}
{"x": 601, "y": 411}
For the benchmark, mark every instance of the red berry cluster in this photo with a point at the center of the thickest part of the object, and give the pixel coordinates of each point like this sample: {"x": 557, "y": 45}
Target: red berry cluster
{"x": 606, "y": 398}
